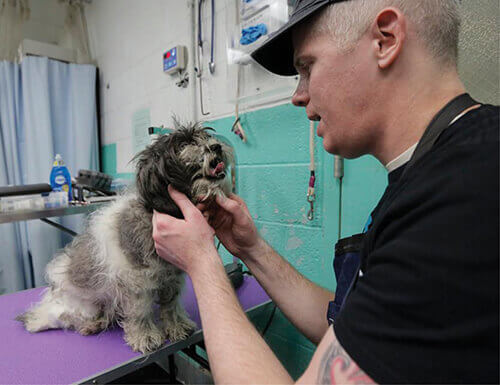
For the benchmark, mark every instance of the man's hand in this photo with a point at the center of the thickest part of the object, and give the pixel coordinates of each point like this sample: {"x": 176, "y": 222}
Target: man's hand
{"x": 234, "y": 226}
{"x": 183, "y": 242}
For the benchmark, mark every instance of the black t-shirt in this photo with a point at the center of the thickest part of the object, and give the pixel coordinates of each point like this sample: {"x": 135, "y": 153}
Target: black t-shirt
{"x": 426, "y": 308}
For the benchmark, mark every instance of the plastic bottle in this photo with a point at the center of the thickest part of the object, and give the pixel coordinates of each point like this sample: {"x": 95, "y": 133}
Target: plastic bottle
{"x": 60, "y": 178}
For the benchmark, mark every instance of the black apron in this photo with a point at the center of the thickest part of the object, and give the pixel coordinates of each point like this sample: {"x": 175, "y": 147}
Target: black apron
{"x": 347, "y": 259}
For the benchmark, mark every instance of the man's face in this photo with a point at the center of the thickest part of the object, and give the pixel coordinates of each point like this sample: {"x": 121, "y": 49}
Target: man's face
{"x": 337, "y": 89}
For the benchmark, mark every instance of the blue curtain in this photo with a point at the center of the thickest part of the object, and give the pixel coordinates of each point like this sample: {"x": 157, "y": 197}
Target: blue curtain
{"x": 14, "y": 266}
{"x": 49, "y": 108}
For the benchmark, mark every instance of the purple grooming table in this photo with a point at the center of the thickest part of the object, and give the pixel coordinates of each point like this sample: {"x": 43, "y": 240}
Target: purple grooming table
{"x": 63, "y": 356}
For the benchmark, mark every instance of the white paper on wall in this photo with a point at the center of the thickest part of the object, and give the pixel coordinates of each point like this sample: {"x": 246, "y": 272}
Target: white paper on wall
{"x": 141, "y": 121}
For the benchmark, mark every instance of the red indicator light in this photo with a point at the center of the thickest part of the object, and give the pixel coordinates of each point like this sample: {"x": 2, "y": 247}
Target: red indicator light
{"x": 168, "y": 54}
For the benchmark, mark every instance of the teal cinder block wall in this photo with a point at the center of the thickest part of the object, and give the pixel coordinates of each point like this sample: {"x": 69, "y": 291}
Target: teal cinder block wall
{"x": 272, "y": 177}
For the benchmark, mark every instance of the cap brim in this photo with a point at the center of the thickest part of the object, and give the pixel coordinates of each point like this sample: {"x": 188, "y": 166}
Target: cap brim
{"x": 276, "y": 53}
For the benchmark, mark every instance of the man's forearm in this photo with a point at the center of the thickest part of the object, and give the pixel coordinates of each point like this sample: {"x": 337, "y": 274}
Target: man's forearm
{"x": 236, "y": 351}
{"x": 303, "y": 302}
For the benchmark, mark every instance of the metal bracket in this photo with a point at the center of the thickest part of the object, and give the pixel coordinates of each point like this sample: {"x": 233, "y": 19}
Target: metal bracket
{"x": 58, "y": 226}
{"x": 183, "y": 79}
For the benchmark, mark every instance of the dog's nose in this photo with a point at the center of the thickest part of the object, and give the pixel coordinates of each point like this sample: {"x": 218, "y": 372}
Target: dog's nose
{"x": 216, "y": 147}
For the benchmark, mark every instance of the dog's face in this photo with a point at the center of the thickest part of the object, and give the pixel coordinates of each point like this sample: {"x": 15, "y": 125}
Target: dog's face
{"x": 193, "y": 161}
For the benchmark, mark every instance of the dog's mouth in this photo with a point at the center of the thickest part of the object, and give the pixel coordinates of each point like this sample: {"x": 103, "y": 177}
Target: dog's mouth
{"x": 217, "y": 169}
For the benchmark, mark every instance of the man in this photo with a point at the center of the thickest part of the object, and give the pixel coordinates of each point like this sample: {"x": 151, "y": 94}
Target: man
{"x": 374, "y": 73}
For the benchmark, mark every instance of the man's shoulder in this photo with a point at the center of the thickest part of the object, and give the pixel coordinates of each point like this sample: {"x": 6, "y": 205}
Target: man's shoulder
{"x": 461, "y": 151}
{"x": 478, "y": 126}
{"x": 455, "y": 184}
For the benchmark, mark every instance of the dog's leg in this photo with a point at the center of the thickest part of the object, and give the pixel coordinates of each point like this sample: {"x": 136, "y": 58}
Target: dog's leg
{"x": 44, "y": 315}
{"x": 174, "y": 319}
{"x": 176, "y": 322}
{"x": 84, "y": 326}
{"x": 141, "y": 332}
{"x": 61, "y": 311}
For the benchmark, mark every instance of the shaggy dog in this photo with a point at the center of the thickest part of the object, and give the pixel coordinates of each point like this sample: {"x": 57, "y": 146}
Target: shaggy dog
{"x": 111, "y": 272}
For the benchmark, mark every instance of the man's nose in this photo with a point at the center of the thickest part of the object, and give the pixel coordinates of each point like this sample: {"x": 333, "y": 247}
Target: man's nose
{"x": 300, "y": 97}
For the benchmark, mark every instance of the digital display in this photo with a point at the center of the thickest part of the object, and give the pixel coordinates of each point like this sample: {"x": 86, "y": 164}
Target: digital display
{"x": 170, "y": 59}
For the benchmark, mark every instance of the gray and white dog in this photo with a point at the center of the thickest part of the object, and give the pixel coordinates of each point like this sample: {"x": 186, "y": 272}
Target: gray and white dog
{"x": 111, "y": 272}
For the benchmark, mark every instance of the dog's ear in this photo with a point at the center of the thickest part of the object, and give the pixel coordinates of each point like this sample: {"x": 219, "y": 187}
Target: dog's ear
{"x": 151, "y": 191}
{"x": 158, "y": 166}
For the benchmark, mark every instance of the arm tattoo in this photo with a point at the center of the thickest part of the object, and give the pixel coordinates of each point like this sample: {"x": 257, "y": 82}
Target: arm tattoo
{"x": 337, "y": 367}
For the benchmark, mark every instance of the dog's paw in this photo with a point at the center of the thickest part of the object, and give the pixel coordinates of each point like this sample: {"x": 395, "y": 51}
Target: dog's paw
{"x": 180, "y": 330}
{"x": 22, "y": 317}
{"x": 32, "y": 322}
{"x": 145, "y": 341}
{"x": 92, "y": 327}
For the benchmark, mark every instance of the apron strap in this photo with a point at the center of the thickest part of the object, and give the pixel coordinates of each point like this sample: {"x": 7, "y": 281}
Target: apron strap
{"x": 438, "y": 124}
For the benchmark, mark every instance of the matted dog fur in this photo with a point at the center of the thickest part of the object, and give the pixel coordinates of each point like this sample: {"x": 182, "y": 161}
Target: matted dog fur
{"x": 111, "y": 272}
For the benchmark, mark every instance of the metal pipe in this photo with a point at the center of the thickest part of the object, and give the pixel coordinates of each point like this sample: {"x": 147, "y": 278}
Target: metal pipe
{"x": 338, "y": 170}
{"x": 338, "y": 173}
{"x": 199, "y": 69}
{"x": 211, "y": 65}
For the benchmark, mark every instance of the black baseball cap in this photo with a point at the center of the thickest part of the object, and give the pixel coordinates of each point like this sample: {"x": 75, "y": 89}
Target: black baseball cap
{"x": 276, "y": 53}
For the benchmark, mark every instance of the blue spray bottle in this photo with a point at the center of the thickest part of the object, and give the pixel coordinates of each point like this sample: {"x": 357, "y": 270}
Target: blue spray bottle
{"x": 60, "y": 178}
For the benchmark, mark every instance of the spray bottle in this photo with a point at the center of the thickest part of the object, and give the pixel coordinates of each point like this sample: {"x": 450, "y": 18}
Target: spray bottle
{"x": 60, "y": 178}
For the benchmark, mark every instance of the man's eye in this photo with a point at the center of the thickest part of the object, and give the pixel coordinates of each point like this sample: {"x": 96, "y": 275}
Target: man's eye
{"x": 305, "y": 70}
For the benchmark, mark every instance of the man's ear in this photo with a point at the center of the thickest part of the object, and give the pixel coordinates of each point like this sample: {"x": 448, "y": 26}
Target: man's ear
{"x": 389, "y": 33}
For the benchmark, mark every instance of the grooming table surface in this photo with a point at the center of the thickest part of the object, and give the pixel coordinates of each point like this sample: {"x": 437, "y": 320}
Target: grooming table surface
{"x": 63, "y": 356}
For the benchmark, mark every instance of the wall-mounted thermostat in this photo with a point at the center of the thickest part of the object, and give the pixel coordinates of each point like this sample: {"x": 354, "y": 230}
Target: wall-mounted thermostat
{"x": 174, "y": 60}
